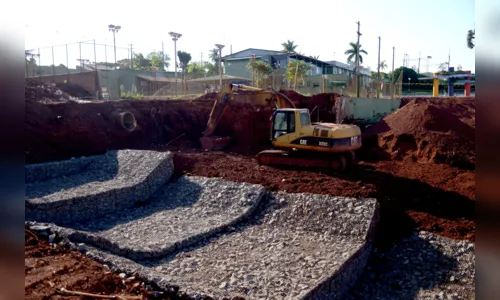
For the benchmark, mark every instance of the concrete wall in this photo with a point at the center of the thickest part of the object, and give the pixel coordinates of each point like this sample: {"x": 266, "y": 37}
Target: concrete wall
{"x": 112, "y": 79}
{"x": 368, "y": 110}
{"x": 87, "y": 80}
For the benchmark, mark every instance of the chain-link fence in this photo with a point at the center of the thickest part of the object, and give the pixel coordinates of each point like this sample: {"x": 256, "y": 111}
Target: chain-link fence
{"x": 75, "y": 57}
{"x": 199, "y": 83}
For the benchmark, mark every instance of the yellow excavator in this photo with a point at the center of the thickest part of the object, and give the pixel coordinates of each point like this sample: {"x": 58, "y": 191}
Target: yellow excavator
{"x": 296, "y": 140}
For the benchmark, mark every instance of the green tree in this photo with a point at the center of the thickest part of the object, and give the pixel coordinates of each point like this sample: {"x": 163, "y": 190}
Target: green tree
{"x": 443, "y": 67}
{"x": 214, "y": 56}
{"x": 184, "y": 59}
{"x": 261, "y": 69}
{"x": 196, "y": 67}
{"x": 289, "y": 47}
{"x": 124, "y": 63}
{"x": 407, "y": 73}
{"x": 140, "y": 62}
{"x": 210, "y": 68}
{"x": 471, "y": 37}
{"x": 351, "y": 53}
{"x": 156, "y": 60}
{"x": 297, "y": 66}
{"x": 383, "y": 65}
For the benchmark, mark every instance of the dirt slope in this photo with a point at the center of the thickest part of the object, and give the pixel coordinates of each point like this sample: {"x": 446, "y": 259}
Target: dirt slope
{"x": 426, "y": 131}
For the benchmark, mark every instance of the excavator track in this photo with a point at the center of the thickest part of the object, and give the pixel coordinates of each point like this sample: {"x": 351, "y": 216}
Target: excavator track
{"x": 338, "y": 161}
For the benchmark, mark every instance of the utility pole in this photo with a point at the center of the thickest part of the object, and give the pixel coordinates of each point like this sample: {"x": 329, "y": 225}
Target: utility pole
{"x": 95, "y": 58}
{"x": 253, "y": 69}
{"x": 132, "y": 56}
{"x": 392, "y": 74}
{"x": 53, "y": 66}
{"x": 80, "y": 47}
{"x": 418, "y": 69}
{"x": 219, "y": 46}
{"x": 449, "y": 57}
{"x": 114, "y": 29}
{"x": 175, "y": 36}
{"x": 163, "y": 56}
{"x": 378, "y": 70}
{"x": 358, "y": 83}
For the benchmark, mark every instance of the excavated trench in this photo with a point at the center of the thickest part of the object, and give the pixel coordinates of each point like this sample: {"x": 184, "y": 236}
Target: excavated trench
{"x": 58, "y": 131}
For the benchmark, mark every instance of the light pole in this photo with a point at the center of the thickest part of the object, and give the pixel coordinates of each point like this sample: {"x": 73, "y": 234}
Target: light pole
{"x": 219, "y": 46}
{"x": 175, "y": 36}
{"x": 114, "y": 29}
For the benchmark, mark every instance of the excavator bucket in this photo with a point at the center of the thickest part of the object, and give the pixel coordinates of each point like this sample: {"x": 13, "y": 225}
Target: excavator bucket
{"x": 214, "y": 143}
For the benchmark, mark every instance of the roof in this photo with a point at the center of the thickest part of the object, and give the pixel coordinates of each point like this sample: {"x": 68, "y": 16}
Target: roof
{"x": 157, "y": 78}
{"x": 239, "y": 58}
{"x": 447, "y": 77}
{"x": 217, "y": 77}
{"x": 224, "y": 57}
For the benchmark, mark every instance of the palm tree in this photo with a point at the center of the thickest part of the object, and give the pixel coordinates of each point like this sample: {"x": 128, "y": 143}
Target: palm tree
{"x": 351, "y": 58}
{"x": 262, "y": 70}
{"x": 383, "y": 65}
{"x": 301, "y": 68}
{"x": 471, "y": 36}
{"x": 214, "y": 56}
{"x": 289, "y": 47}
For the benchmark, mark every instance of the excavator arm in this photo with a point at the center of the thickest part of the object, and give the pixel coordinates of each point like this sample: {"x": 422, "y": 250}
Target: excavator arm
{"x": 238, "y": 93}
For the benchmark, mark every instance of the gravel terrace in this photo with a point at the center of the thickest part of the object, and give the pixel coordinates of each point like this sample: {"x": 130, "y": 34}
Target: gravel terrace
{"x": 115, "y": 166}
{"x": 292, "y": 244}
{"x": 75, "y": 190}
{"x": 424, "y": 266}
{"x": 179, "y": 214}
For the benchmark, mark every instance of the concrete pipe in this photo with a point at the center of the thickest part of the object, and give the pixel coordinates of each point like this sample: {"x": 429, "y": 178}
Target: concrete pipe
{"x": 127, "y": 120}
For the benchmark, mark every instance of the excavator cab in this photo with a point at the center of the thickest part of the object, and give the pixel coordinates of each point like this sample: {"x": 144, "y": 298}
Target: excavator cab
{"x": 284, "y": 121}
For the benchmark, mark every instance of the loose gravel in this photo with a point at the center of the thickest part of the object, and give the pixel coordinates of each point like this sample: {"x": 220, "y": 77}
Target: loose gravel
{"x": 424, "y": 266}
{"x": 179, "y": 214}
{"x": 294, "y": 247}
{"x": 93, "y": 187}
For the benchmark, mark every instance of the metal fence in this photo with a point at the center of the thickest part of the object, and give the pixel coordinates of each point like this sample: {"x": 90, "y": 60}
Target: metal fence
{"x": 199, "y": 83}
{"x": 73, "y": 57}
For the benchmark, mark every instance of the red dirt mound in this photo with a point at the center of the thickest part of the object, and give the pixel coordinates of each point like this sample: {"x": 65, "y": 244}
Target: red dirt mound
{"x": 42, "y": 92}
{"x": 426, "y": 131}
{"x": 60, "y": 131}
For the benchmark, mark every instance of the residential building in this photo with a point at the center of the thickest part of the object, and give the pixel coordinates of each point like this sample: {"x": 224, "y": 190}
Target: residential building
{"x": 236, "y": 64}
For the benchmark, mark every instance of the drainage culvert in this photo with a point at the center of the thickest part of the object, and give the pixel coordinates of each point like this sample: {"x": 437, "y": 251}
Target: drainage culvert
{"x": 127, "y": 121}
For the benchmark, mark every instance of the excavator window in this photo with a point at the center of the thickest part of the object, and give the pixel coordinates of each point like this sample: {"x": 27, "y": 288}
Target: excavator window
{"x": 305, "y": 119}
{"x": 284, "y": 122}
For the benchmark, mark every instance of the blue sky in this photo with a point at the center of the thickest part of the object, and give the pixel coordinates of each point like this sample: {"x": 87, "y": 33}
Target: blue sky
{"x": 324, "y": 28}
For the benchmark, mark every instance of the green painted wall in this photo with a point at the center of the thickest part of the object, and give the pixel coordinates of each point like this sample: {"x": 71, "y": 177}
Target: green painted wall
{"x": 113, "y": 79}
{"x": 369, "y": 109}
{"x": 237, "y": 68}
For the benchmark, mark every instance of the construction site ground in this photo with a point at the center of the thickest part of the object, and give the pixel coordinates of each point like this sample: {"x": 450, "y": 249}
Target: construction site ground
{"x": 414, "y": 195}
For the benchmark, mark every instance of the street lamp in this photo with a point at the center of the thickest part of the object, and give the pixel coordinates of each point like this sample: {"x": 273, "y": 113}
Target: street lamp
{"x": 175, "y": 36}
{"x": 114, "y": 29}
{"x": 219, "y": 46}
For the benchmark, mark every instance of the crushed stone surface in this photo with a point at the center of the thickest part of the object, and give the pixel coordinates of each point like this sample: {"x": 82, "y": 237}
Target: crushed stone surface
{"x": 291, "y": 244}
{"x": 179, "y": 212}
{"x": 113, "y": 170}
{"x": 424, "y": 266}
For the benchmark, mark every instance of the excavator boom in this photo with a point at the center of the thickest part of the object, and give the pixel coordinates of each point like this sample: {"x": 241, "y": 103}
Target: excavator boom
{"x": 238, "y": 93}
